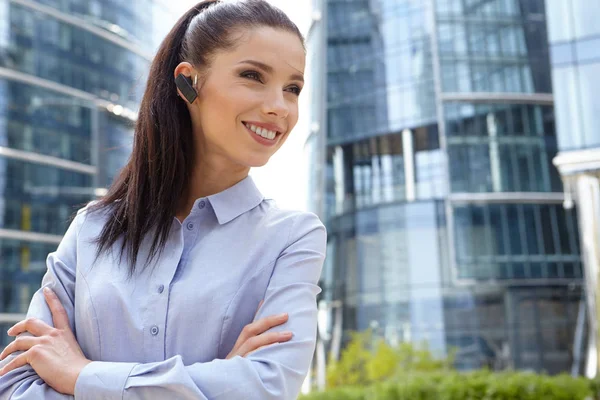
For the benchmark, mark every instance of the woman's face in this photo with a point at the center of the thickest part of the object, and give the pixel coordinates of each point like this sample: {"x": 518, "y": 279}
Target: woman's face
{"x": 248, "y": 102}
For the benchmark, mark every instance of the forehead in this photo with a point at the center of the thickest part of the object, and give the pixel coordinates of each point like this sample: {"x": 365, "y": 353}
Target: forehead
{"x": 278, "y": 48}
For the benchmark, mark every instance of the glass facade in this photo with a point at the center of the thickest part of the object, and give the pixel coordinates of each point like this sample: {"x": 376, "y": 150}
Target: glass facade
{"x": 574, "y": 36}
{"x": 71, "y": 72}
{"x": 493, "y": 46}
{"x": 443, "y": 208}
{"x": 499, "y": 147}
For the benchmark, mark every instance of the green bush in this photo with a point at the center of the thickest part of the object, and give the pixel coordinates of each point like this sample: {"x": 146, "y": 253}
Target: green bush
{"x": 480, "y": 385}
{"x": 367, "y": 359}
{"x": 371, "y": 369}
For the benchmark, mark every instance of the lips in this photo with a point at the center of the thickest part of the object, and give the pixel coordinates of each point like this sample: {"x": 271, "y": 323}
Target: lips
{"x": 260, "y": 139}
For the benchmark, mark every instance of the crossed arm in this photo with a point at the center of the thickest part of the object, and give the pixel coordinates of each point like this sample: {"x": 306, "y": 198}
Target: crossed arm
{"x": 272, "y": 372}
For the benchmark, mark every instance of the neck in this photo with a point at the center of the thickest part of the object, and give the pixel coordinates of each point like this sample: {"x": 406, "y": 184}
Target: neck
{"x": 207, "y": 180}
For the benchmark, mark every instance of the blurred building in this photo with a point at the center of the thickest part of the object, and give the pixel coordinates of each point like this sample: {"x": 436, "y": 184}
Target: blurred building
{"x": 432, "y": 168}
{"x": 72, "y": 73}
{"x": 574, "y": 35}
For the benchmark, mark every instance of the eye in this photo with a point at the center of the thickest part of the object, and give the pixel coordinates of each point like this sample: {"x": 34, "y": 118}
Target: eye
{"x": 252, "y": 75}
{"x": 295, "y": 89}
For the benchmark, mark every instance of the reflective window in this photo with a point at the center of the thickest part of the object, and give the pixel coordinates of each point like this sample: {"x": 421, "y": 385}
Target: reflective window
{"x": 380, "y": 77}
{"x": 501, "y": 148}
{"x": 62, "y": 53}
{"x": 42, "y": 121}
{"x": 23, "y": 265}
{"x": 40, "y": 198}
{"x": 516, "y": 241}
{"x": 115, "y": 146}
{"x": 568, "y": 112}
{"x": 374, "y": 171}
{"x": 493, "y": 46}
{"x": 560, "y": 20}
{"x": 589, "y": 87}
{"x": 389, "y": 263}
{"x": 587, "y": 15}
{"x": 134, "y": 21}
{"x": 588, "y": 50}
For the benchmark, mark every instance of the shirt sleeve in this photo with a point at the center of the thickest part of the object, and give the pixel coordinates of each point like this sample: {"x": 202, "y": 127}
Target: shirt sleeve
{"x": 24, "y": 383}
{"x": 273, "y": 372}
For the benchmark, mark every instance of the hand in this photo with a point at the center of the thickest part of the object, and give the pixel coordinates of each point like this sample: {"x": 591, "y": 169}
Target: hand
{"x": 254, "y": 335}
{"x": 52, "y": 352}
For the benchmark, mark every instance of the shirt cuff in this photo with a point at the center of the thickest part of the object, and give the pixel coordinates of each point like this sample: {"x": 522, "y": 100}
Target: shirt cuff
{"x": 102, "y": 380}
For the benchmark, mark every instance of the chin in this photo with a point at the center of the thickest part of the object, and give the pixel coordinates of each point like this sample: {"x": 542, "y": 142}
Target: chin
{"x": 258, "y": 164}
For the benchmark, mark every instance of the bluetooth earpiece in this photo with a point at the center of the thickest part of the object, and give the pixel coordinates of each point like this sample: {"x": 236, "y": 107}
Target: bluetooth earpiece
{"x": 184, "y": 84}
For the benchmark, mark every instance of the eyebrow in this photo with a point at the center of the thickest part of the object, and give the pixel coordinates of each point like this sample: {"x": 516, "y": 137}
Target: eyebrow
{"x": 269, "y": 69}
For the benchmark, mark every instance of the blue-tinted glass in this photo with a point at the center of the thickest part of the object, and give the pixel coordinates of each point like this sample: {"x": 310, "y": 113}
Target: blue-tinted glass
{"x": 589, "y": 87}
{"x": 587, "y": 15}
{"x": 39, "y": 197}
{"x": 560, "y": 20}
{"x": 71, "y": 56}
{"x": 562, "y": 53}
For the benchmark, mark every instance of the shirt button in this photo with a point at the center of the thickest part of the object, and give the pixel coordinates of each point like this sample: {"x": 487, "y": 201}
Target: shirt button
{"x": 202, "y": 204}
{"x": 154, "y": 330}
{"x": 190, "y": 226}
{"x": 161, "y": 288}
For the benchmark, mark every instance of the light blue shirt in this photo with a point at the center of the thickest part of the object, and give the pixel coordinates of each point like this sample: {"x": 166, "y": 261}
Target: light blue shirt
{"x": 166, "y": 333}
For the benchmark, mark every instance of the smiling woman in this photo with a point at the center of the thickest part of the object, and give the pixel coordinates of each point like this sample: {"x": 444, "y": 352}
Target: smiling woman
{"x": 155, "y": 287}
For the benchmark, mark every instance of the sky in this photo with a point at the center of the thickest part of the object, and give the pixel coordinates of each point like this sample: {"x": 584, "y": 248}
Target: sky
{"x": 284, "y": 178}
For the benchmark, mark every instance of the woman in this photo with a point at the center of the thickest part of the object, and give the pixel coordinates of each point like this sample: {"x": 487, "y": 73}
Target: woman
{"x": 160, "y": 279}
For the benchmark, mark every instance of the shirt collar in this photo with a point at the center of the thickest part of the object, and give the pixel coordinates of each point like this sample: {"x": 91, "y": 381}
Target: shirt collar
{"x": 236, "y": 200}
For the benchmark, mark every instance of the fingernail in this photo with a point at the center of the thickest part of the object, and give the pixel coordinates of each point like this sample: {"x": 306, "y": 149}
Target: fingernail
{"x": 282, "y": 315}
{"x": 286, "y": 334}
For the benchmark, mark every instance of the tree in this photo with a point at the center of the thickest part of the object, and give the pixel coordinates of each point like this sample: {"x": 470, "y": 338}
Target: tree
{"x": 366, "y": 360}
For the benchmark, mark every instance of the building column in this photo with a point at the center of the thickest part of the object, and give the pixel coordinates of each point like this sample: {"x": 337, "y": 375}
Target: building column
{"x": 580, "y": 172}
{"x": 587, "y": 192}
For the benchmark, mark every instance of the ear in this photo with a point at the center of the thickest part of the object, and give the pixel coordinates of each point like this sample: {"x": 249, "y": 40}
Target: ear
{"x": 186, "y": 79}
{"x": 186, "y": 88}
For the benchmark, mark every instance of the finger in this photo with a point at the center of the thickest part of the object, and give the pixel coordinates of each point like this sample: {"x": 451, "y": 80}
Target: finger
{"x": 19, "y": 361}
{"x": 264, "y": 324}
{"x": 32, "y": 325}
{"x": 260, "y": 326}
{"x": 265, "y": 339}
{"x": 59, "y": 314}
{"x": 22, "y": 343}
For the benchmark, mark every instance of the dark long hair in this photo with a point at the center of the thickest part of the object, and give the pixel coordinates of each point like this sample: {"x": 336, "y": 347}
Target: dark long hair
{"x": 145, "y": 197}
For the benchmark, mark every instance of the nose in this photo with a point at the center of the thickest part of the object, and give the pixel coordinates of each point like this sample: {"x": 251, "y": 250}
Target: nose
{"x": 275, "y": 104}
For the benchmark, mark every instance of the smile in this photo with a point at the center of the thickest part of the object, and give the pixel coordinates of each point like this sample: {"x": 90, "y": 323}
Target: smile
{"x": 265, "y": 133}
{"x": 263, "y": 136}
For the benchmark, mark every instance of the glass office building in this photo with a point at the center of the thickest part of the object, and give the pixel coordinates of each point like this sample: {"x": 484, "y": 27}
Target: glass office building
{"x": 574, "y": 35}
{"x": 71, "y": 76}
{"x": 433, "y": 164}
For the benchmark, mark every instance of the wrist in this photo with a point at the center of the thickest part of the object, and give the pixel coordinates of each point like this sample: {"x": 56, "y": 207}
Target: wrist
{"x": 77, "y": 373}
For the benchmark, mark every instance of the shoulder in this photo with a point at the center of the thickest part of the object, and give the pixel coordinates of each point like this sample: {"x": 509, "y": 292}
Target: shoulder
{"x": 91, "y": 216}
{"x": 295, "y": 225}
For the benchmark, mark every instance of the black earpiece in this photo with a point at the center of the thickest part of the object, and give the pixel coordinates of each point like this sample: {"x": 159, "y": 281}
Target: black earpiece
{"x": 184, "y": 84}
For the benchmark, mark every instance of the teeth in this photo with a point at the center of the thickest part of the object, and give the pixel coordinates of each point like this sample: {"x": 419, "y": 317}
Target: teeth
{"x": 262, "y": 132}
